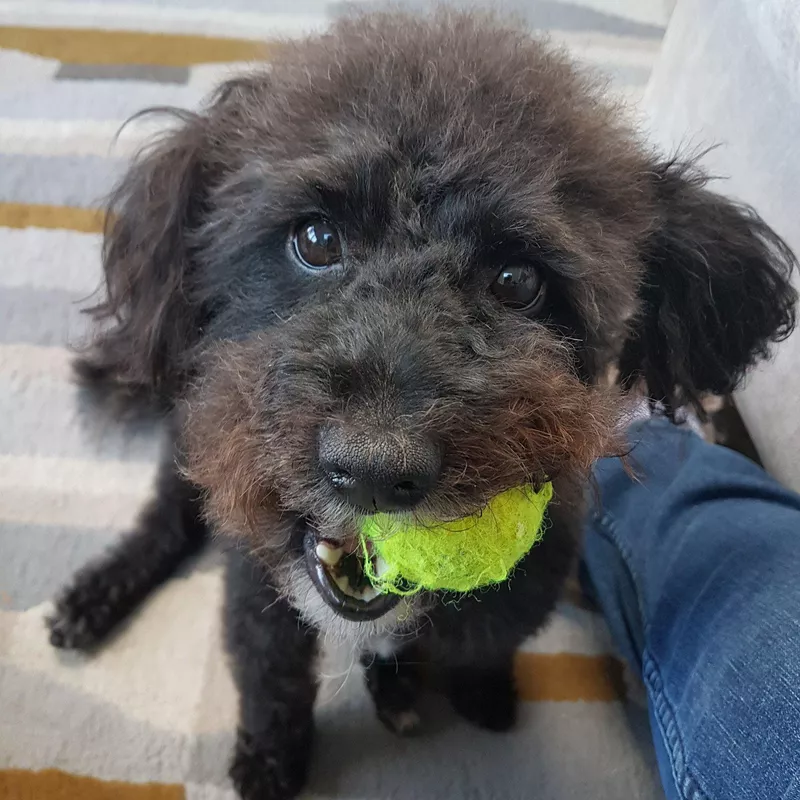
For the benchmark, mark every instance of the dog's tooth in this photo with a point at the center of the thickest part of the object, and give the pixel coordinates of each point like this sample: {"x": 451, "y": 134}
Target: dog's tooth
{"x": 381, "y": 567}
{"x": 328, "y": 555}
{"x": 343, "y": 583}
{"x": 368, "y": 593}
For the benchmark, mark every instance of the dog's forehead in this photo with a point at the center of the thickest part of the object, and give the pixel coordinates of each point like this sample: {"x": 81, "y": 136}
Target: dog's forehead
{"x": 372, "y": 179}
{"x": 407, "y": 132}
{"x": 387, "y": 188}
{"x": 407, "y": 118}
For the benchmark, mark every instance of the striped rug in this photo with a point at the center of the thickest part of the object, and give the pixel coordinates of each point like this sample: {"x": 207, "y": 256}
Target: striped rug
{"x": 151, "y": 717}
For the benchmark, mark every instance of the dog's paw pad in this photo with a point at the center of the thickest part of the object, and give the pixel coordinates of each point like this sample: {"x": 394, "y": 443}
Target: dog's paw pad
{"x": 70, "y": 631}
{"x": 67, "y": 634}
{"x": 80, "y": 620}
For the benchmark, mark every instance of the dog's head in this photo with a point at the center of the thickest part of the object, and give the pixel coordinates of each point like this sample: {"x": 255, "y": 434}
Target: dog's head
{"x": 393, "y": 269}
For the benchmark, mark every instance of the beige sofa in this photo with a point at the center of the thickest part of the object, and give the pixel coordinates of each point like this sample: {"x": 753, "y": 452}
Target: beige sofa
{"x": 729, "y": 74}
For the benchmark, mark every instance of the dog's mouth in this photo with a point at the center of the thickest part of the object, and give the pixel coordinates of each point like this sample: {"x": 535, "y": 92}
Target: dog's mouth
{"x": 337, "y": 572}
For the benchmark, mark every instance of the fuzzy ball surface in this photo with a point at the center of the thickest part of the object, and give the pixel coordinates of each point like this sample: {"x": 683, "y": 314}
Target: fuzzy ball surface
{"x": 455, "y": 556}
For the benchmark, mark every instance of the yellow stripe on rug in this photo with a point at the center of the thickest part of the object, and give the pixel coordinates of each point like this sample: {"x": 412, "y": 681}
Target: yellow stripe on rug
{"x": 31, "y": 215}
{"x": 568, "y": 677}
{"x": 53, "y": 784}
{"x": 95, "y": 46}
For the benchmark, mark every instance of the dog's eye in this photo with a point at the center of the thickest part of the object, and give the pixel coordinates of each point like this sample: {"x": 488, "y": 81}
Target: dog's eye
{"x": 317, "y": 244}
{"x": 520, "y": 288}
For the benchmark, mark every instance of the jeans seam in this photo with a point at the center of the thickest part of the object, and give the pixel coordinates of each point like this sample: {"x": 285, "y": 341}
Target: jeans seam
{"x": 607, "y": 528}
{"x": 687, "y": 784}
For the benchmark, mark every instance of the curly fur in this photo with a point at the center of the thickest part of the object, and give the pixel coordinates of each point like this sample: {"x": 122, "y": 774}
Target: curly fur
{"x": 443, "y": 148}
{"x": 515, "y": 414}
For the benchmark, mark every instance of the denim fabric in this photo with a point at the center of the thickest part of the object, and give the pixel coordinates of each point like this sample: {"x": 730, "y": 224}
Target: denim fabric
{"x": 697, "y": 569}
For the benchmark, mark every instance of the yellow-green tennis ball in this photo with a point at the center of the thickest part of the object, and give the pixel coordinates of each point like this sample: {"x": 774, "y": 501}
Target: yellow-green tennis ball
{"x": 456, "y": 556}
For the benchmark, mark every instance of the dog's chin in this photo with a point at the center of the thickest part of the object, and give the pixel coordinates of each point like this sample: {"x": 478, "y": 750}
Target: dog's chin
{"x": 331, "y": 590}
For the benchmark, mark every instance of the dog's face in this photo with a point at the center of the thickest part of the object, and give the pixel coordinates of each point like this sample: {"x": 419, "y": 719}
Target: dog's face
{"x": 393, "y": 269}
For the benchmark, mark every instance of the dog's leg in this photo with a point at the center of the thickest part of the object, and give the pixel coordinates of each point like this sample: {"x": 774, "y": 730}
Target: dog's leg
{"x": 473, "y": 652}
{"x": 476, "y": 645}
{"x": 273, "y": 654}
{"x": 102, "y": 594}
{"x": 393, "y": 680}
{"x": 484, "y": 693}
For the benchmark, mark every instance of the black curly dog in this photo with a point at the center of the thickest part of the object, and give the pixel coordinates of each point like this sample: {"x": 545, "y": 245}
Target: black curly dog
{"x": 391, "y": 273}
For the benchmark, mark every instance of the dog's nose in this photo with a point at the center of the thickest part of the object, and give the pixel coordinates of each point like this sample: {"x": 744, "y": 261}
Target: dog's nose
{"x": 379, "y": 472}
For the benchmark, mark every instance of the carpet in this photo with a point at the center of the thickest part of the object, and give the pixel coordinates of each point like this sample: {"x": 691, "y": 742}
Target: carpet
{"x": 152, "y": 715}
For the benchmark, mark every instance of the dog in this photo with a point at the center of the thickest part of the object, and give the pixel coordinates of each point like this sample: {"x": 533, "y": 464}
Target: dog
{"x": 391, "y": 273}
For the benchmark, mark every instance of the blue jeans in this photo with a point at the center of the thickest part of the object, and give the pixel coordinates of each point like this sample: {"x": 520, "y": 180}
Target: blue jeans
{"x": 697, "y": 569}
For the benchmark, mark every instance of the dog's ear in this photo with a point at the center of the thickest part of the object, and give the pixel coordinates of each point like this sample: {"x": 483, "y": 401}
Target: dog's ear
{"x": 148, "y": 318}
{"x": 716, "y": 292}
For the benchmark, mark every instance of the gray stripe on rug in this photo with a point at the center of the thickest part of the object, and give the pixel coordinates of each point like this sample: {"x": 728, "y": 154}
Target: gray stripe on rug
{"x": 550, "y": 15}
{"x": 93, "y": 100}
{"x": 31, "y": 574}
{"x": 81, "y": 181}
{"x": 41, "y": 316}
{"x": 51, "y": 259}
{"x": 51, "y": 420}
{"x": 56, "y": 724}
{"x": 558, "y": 16}
{"x": 123, "y": 72}
{"x": 625, "y": 75}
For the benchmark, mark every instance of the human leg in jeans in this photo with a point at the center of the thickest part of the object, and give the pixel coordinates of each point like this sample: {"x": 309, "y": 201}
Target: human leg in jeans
{"x": 697, "y": 569}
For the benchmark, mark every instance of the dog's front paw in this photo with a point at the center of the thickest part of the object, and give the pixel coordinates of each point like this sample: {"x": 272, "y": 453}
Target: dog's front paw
{"x": 394, "y": 686}
{"x": 274, "y": 772}
{"x": 83, "y": 614}
{"x": 485, "y": 697}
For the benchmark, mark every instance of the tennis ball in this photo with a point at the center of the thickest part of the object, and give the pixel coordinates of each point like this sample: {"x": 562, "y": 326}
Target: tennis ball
{"x": 456, "y": 556}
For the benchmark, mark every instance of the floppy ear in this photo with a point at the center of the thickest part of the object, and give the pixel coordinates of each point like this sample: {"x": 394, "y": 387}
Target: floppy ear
{"x": 716, "y": 292}
{"x": 148, "y": 319}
